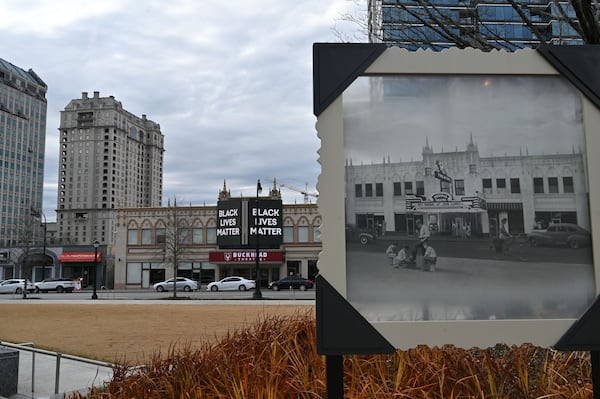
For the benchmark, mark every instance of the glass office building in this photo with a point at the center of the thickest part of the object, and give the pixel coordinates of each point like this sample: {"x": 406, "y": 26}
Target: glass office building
{"x": 412, "y": 26}
{"x": 22, "y": 147}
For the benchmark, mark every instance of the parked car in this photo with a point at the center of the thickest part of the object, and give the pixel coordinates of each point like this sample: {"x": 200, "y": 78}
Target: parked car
{"x": 233, "y": 283}
{"x": 358, "y": 234}
{"x": 295, "y": 282}
{"x": 15, "y": 286}
{"x": 55, "y": 284}
{"x": 182, "y": 283}
{"x": 561, "y": 234}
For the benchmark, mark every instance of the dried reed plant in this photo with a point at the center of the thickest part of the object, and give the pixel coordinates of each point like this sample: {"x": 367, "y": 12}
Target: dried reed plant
{"x": 276, "y": 358}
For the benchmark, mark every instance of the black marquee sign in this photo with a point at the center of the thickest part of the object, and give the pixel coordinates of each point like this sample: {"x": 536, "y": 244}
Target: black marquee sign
{"x": 240, "y": 221}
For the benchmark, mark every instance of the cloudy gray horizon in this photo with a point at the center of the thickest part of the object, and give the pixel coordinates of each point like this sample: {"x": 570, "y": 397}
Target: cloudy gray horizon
{"x": 504, "y": 116}
{"x": 230, "y": 83}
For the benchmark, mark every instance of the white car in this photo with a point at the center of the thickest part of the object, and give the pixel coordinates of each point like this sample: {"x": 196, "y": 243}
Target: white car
{"x": 55, "y": 284}
{"x": 15, "y": 286}
{"x": 233, "y": 283}
{"x": 182, "y": 283}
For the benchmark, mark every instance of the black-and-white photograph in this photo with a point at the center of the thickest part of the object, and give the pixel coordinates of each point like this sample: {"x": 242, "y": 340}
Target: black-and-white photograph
{"x": 466, "y": 198}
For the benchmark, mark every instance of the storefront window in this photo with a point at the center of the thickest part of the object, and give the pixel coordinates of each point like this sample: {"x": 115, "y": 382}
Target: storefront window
{"x": 515, "y": 186}
{"x": 211, "y": 235}
{"x": 146, "y": 236}
{"x": 358, "y": 190}
{"x": 288, "y": 234}
{"x": 302, "y": 233}
{"x": 197, "y": 235}
{"x": 420, "y": 185}
{"x": 538, "y": 185}
{"x": 487, "y": 186}
{"x": 553, "y": 185}
{"x": 161, "y": 236}
{"x": 316, "y": 234}
{"x": 183, "y": 235}
{"x": 134, "y": 273}
{"x": 132, "y": 237}
{"x": 459, "y": 187}
{"x": 568, "y": 185}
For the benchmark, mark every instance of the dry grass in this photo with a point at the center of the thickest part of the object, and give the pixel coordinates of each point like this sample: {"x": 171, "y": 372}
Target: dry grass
{"x": 276, "y": 358}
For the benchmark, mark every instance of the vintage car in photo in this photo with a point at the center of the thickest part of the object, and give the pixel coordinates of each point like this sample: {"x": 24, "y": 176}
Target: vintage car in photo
{"x": 360, "y": 234}
{"x": 560, "y": 234}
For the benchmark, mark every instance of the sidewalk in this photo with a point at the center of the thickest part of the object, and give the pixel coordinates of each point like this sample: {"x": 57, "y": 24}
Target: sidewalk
{"x": 74, "y": 376}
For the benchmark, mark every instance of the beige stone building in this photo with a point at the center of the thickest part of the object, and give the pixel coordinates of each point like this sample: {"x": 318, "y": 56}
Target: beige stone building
{"x": 142, "y": 254}
{"x": 109, "y": 158}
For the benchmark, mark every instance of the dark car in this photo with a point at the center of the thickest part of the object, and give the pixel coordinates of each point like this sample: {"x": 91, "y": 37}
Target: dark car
{"x": 561, "y": 234}
{"x": 294, "y": 282}
{"x": 359, "y": 234}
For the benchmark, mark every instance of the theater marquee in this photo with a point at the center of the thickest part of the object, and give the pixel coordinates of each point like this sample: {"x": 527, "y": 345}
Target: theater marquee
{"x": 241, "y": 221}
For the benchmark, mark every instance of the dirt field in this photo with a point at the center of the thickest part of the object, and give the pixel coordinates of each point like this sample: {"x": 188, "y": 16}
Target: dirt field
{"x": 128, "y": 332}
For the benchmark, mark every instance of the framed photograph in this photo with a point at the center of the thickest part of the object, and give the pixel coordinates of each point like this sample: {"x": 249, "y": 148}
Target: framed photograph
{"x": 457, "y": 194}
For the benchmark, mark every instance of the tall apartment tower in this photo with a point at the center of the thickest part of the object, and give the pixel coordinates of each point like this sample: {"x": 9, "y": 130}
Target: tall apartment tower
{"x": 109, "y": 158}
{"x": 22, "y": 147}
{"x": 495, "y": 21}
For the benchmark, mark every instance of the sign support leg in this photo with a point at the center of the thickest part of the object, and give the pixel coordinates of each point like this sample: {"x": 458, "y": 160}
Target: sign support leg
{"x": 335, "y": 376}
{"x": 595, "y": 360}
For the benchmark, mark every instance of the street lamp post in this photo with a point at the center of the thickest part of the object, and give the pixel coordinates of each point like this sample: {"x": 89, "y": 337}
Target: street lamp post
{"x": 95, "y": 273}
{"x": 257, "y": 293}
{"x": 40, "y": 213}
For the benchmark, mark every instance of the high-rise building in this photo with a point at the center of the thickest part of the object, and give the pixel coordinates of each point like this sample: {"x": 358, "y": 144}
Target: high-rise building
{"x": 408, "y": 24}
{"x": 22, "y": 147}
{"x": 109, "y": 158}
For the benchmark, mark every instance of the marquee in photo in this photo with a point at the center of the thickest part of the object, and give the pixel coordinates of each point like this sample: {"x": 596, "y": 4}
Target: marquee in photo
{"x": 369, "y": 98}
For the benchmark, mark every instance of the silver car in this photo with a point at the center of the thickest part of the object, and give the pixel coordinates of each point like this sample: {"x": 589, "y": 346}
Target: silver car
{"x": 182, "y": 283}
{"x": 233, "y": 283}
{"x": 15, "y": 286}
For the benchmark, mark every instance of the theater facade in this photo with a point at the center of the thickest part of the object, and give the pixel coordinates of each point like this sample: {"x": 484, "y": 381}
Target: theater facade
{"x": 464, "y": 194}
{"x": 211, "y": 242}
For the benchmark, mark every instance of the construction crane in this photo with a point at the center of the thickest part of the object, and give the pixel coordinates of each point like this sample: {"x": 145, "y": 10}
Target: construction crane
{"x": 304, "y": 192}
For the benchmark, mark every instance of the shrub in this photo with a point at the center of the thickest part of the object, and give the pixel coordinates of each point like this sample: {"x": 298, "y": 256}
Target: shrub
{"x": 276, "y": 358}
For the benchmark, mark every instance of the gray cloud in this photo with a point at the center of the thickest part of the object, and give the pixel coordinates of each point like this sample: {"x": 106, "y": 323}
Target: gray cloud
{"x": 229, "y": 82}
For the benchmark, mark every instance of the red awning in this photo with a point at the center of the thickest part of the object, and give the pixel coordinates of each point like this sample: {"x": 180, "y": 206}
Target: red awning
{"x": 79, "y": 257}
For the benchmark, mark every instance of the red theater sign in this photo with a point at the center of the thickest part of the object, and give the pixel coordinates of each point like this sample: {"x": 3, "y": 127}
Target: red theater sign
{"x": 242, "y": 256}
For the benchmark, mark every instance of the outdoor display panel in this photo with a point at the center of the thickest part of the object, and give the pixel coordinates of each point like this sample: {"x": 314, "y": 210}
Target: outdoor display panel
{"x": 240, "y": 221}
{"x": 466, "y": 142}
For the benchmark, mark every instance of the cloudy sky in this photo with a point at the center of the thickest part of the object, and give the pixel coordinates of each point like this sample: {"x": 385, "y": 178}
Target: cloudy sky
{"x": 230, "y": 82}
{"x": 504, "y": 115}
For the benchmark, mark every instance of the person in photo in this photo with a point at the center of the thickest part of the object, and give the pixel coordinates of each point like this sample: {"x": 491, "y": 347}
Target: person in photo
{"x": 403, "y": 259}
{"x": 429, "y": 258}
{"x": 391, "y": 252}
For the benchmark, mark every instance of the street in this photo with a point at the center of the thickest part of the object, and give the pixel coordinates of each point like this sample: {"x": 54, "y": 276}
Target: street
{"x": 471, "y": 281}
{"x": 150, "y": 294}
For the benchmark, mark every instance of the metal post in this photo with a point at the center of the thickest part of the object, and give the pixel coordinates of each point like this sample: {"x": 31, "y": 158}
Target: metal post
{"x": 57, "y": 374}
{"x": 95, "y": 273}
{"x": 595, "y": 360}
{"x": 32, "y": 372}
{"x": 334, "y": 365}
{"x": 257, "y": 293}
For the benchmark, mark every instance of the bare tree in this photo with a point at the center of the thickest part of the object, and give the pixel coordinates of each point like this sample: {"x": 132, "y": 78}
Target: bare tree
{"x": 25, "y": 237}
{"x": 176, "y": 238}
{"x": 432, "y": 24}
